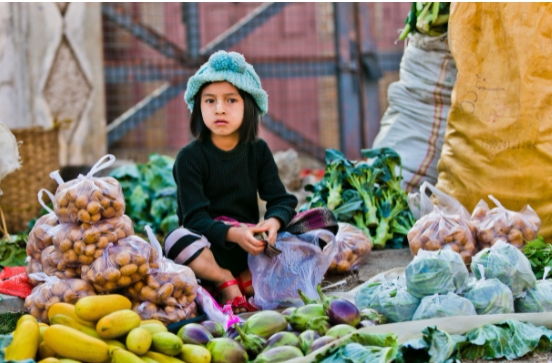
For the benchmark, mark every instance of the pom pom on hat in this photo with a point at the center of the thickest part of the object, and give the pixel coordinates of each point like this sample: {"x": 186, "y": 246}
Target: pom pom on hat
{"x": 230, "y": 67}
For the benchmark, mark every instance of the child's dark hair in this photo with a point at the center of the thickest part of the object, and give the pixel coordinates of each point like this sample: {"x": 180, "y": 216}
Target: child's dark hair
{"x": 249, "y": 128}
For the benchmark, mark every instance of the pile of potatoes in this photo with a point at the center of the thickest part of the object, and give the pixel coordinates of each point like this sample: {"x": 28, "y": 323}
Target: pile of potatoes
{"x": 39, "y": 238}
{"x": 516, "y": 228}
{"x": 88, "y": 200}
{"x": 119, "y": 265}
{"x": 435, "y": 230}
{"x": 167, "y": 314}
{"x": 53, "y": 265}
{"x": 352, "y": 248}
{"x": 83, "y": 243}
{"x": 165, "y": 288}
{"x": 53, "y": 291}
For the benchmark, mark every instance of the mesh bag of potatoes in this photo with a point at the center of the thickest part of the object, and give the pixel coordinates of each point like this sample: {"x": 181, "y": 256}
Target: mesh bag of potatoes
{"x": 492, "y": 225}
{"x": 53, "y": 290}
{"x": 444, "y": 223}
{"x": 119, "y": 265}
{"x": 89, "y": 199}
{"x": 167, "y": 314}
{"x": 168, "y": 284}
{"x": 39, "y": 238}
{"x": 53, "y": 264}
{"x": 352, "y": 248}
{"x": 81, "y": 244}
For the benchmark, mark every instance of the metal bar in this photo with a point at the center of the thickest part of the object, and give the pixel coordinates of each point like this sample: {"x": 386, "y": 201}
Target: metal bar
{"x": 350, "y": 130}
{"x": 243, "y": 28}
{"x": 144, "y": 33}
{"x": 369, "y": 87}
{"x": 142, "y": 110}
{"x": 294, "y": 138}
{"x": 151, "y": 73}
{"x": 190, "y": 17}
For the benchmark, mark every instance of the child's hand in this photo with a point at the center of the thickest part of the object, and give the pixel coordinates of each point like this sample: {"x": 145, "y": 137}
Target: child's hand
{"x": 273, "y": 225}
{"x": 243, "y": 236}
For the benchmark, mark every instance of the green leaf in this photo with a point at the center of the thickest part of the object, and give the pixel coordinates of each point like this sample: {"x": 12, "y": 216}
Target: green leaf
{"x": 169, "y": 224}
{"x": 487, "y": 342}
{"x": 126, "y": 171}
{"x": 139, "y": 200}
{"x": 357, "y": 353}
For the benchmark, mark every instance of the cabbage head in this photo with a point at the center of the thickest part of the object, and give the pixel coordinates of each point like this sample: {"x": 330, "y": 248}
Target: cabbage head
{"x": 490, "y": 296}
{"x": 440, "y": 306}
{"x": 537, "y": 300}
{"x": 396, "y": 304}
{"x": 508, "y": 264}
{"x": 436, "y": 272}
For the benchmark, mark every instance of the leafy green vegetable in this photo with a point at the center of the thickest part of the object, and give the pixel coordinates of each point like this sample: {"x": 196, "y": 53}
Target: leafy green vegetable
{"x": 427, "y": 18}
{"x": 12, "y": 250}
{"x": 435, "y": 346}
{"x": 537, "y": 299}
{"x": 150, "y": 193}
{"x": 539, "y": 254}
{"x": 365, "y": 194}
{"x": 440, "y": 306}
{"x": 362, "y": 348}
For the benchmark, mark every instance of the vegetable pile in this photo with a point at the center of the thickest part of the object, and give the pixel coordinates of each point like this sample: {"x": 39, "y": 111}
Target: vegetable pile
{"x": 150, "y": 193}
{"x": 426, "y": 18}
{"x": 365, "y": 194}
{"x": 539, "y": 254}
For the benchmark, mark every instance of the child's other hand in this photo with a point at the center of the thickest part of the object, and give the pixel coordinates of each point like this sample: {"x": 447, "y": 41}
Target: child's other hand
{"x": 243, "y": 236}
{"x": 271, "y": 225}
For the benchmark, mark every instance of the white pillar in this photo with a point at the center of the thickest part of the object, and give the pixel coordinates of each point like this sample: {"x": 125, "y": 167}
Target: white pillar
{"x": 51, "y": 66}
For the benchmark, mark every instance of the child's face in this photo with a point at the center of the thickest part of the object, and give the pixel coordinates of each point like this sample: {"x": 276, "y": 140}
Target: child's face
{"x": 222, "y": 110}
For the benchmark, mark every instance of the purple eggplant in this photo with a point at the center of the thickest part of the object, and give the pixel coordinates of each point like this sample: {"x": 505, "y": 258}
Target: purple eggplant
{"x": 281, "y": 339}
{"x": 340, "y": 330}
{"x": 288, "y": 311}
{"x": 306, "y": 338}
{"x": 300, "y": 317}
{"x": 226, "y": 350}
{"x": 340, "y": 311}
{"x": 371, "y": 314}
{"x": 279, "y": 354}
{"x": 320, "y": 324}
{"x": 252, "y": 344}
{"x": 214, "y": 327}
{"x": 265, "y": 323}
{"x": 320, "y": 342}
{"x": 194, "y": 334}
{"x": 232, "y": 333}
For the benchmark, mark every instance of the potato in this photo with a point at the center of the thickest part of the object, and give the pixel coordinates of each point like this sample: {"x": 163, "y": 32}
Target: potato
{"x": 89, "y": 200}
{"x": 39, "y": 237}
{"x": 165, "y": 314}
{"x": 55, "y": 290}
{"x": 353, "y": 247}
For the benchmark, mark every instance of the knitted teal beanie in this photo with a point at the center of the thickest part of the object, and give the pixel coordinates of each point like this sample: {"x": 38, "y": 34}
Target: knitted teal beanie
{"x": 230, "y": 67}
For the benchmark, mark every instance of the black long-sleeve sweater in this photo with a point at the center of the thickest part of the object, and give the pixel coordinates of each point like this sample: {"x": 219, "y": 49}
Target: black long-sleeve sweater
{"x": 212, "y": 182}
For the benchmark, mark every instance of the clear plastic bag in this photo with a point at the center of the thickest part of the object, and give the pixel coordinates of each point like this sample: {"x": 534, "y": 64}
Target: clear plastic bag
{"x": 445, "y": 224}
{"x": 394, "y": 302}
{"x": 169, "y": 284}
{"x": 508, "y": 264}
{"x": 119, "y": 265}
{"x": 53, "y": 264}
{"x": 352, "y": 248}
{"x": 88, "y": 199}
{"x": 538, "y": 299}
{"x": 441, "y": 306}
{"x": 516, "y": 228}
{"x": 81, "y": 244}
{"x": 166, "y": 313}
{"x": 34, "y": 266}
{"x": 490, "y": 296}
{"x": 436, "y": 272}
{"x": 39, "y": 238}
{"x": 53, "y": 290}
{"x": 301, "y": 265}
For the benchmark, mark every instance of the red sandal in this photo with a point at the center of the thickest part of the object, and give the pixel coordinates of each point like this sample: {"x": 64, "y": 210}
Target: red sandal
{"x": 238, "y": 301}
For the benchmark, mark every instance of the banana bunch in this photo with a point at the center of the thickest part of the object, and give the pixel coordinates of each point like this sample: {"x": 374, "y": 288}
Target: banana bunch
{"x": 426, "y": 18}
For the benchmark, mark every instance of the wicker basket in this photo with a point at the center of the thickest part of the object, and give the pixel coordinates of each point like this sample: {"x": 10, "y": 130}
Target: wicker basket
{"x": 39, "y": 153}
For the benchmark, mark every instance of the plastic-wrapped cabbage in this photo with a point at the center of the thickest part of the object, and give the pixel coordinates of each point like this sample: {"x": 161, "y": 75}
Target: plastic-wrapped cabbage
{"x": 367, "y": 293}
{"x": 440, "y": 306}
{"x": 538, "y": 299}
{"x": 436, "y": 272}
{"x": 508, "y": 264}
{"x": 397, "y": 304}
{"x": 490, "y": 296}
